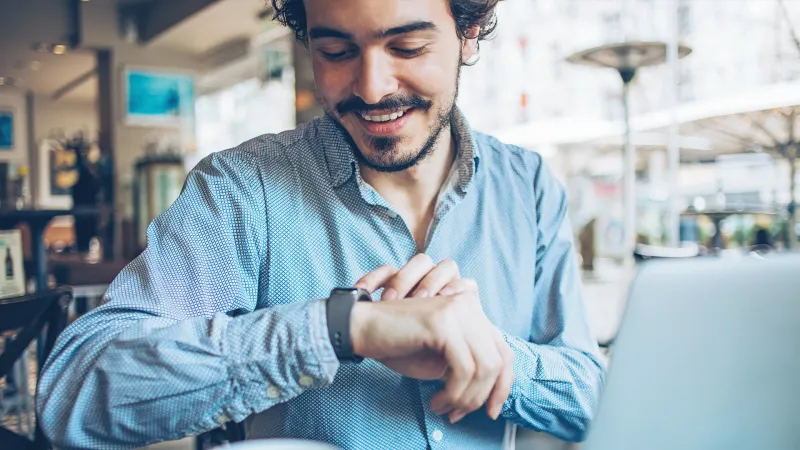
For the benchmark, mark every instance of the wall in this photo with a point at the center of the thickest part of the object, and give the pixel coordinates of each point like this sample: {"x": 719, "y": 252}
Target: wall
{"x": 100, "y": 30}
{"x": 68, "y": 116}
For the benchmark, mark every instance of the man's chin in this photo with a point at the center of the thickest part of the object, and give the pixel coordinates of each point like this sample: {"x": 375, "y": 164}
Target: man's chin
{"x": 388, "y": 163}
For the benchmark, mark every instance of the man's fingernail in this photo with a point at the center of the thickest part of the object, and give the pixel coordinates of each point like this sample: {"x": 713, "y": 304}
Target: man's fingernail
{"x": 456, "y": 416}
{"x": 389, "y": 294}
{"x": 423, "y": 293}
{"x": 447, "y": 291}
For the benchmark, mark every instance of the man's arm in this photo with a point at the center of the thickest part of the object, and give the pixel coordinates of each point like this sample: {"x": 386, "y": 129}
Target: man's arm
{"x": 161, "y": 359}
{"x": 558, "y": 373}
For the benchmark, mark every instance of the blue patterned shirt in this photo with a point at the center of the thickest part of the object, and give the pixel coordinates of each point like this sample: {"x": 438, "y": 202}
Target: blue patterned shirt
{"x": 221, "y": 317}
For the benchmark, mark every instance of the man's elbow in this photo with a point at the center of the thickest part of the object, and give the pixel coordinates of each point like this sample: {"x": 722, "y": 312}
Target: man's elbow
{"x": 574, "y": 427}
{"x": 587, "y": 401}
{"x": 575, "y": 430}
{"x": 50, "y": 417}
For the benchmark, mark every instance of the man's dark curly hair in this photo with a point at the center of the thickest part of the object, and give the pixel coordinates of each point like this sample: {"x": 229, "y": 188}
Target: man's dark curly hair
{"x": 467, "y": 14}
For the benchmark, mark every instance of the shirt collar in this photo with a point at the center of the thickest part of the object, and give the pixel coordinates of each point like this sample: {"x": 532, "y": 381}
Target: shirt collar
{"x": 341, "y": 161}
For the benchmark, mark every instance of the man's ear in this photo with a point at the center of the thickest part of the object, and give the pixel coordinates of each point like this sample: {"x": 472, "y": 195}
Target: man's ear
{"x": 469, "y": 45}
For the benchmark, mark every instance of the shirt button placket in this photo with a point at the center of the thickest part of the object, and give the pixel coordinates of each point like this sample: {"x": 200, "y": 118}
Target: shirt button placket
{"x": 435, "y": 425}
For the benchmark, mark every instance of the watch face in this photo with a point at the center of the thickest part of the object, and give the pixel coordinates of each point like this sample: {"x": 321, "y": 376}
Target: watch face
{"x": 357, "y": 293}
{"x": 345, "y": 291}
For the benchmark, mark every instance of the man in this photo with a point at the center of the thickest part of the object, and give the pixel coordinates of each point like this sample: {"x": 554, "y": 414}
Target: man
{"x": 229, "y": 314}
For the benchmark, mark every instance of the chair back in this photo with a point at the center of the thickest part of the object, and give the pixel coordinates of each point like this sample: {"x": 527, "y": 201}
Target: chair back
{"x": 30, "y": 316}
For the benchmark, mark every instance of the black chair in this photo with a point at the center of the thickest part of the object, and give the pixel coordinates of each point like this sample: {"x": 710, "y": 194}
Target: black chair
{"x": 229, "y": 433}
{"x": 30, "y": 316}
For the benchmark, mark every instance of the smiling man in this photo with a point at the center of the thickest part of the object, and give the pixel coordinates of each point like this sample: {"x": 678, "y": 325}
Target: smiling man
{"x": 236, "y": 311}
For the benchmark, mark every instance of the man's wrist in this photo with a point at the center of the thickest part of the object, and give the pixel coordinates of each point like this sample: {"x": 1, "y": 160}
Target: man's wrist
{"x": 360, "y": 317}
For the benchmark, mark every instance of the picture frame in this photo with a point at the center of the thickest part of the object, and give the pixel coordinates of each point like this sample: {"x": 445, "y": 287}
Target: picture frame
{"x": 155, "y": 97}
{"x": 54, "y": 164}
{"x": 7, "y": 129}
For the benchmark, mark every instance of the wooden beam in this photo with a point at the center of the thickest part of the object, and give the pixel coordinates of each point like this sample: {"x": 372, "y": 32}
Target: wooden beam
{"x": 156, "y": 17}
{"x": 74, "y": 84}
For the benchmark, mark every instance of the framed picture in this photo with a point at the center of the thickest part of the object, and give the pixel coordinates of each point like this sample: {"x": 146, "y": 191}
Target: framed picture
{"x": 6, "y": 129}
{"x": 63, "y": 171}
{"x": 58, "y": 172}
{"x": 158, "y": 97}
{"x": 12, "y": 274}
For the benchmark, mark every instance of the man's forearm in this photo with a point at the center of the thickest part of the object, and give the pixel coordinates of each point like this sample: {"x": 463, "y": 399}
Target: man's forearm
{"x": 158, "y": 379}
{"x": 556, "y": 389}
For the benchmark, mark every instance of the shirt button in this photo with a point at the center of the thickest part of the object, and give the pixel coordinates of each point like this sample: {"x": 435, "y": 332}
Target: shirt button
{"x": 437, "y": 435}
{"x": 273, "y": 392}
{"x": 306, "y": 381}
{"x": 222, "y": 419}
{"x": 391, "y": 214}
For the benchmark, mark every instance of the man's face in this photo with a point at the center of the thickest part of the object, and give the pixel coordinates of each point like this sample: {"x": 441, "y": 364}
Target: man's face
{"x": 387, "y": 71}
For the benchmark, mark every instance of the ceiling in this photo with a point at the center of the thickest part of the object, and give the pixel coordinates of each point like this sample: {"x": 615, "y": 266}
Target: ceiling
{"x": 42, "y": 21}
{"x": 45, "y": 74}
{"x": 215, "y": 25}
{"x": 68, "y": 78}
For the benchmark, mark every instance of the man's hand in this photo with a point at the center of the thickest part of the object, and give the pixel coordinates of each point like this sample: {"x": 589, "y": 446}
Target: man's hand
{"x": 440, "y": 332}
{"x": 421, "y": 277}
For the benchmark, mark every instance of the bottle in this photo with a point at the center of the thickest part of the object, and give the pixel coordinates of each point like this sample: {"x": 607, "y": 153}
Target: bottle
{"x": 9, "y": 264}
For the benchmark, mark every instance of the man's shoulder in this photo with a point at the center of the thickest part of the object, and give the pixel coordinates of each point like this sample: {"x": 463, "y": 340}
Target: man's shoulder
{"x": 274, "y": 147}
{"x": 508, "y": 159}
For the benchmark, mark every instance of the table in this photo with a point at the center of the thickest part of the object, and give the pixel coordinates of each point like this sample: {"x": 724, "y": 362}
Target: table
{"x": 718, "y": 215}
{"x": 37, "y": 220}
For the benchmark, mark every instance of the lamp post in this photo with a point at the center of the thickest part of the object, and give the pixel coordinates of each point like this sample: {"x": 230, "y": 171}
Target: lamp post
{"x": 626, "y": 58}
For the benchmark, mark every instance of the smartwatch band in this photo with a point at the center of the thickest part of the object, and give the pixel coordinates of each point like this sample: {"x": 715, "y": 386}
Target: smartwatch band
{"x": 339, "y": 307}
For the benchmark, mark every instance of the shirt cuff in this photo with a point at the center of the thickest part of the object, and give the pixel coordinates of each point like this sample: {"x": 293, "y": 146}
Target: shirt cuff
{"x": 320, "y": 342}
{"x": 525, "y": 364}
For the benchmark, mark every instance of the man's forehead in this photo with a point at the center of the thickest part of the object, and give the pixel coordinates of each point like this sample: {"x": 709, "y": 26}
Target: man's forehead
{"x": 374, "y": 16}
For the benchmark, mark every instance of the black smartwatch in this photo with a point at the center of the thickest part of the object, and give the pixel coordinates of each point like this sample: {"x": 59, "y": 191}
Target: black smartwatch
{"x": 339, "y": 307}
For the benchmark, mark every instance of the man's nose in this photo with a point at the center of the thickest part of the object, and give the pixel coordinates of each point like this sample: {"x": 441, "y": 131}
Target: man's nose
{"x": 376, "y": 77}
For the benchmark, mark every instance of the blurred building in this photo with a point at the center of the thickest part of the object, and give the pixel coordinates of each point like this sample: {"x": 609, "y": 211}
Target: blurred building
{"x": 572, "y": 114}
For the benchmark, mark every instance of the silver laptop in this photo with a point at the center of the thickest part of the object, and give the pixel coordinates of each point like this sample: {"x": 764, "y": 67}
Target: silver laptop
{"x": 707, "y": 358}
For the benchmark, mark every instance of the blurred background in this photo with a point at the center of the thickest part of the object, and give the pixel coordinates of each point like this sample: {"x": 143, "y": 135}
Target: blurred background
{"x": 673, "y": 124}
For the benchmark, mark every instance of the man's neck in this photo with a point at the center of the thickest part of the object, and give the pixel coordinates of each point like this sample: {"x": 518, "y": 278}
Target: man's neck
{"x": 414, "y": 191}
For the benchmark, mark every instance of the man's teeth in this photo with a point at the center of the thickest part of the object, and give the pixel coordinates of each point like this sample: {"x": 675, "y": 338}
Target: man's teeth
{"x": 383, "y": 118}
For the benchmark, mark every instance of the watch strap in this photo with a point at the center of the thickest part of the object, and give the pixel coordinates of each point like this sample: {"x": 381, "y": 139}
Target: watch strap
{"x": 339, "y": 307}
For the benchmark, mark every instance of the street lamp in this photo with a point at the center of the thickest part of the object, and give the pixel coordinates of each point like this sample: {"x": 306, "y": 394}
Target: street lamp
{"x": 626, "y": 58}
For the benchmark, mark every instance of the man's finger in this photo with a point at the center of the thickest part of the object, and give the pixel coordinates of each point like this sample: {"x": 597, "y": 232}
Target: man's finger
{"x": 460, "y": 286}
{"x": 444, "y": 272}
{"x": 376, "y": 279}
{"x": 462, "y": 369}
{"x": 406, "y": 278}
{"x": 488, "y": 366}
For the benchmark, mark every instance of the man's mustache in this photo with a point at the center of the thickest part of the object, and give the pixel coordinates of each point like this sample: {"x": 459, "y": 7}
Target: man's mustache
{"x": 355, "y": 104}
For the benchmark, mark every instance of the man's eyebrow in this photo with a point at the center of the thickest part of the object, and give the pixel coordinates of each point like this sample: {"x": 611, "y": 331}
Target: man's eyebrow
{"x": 328, "y": 32}
{"x": 407, "y": 28}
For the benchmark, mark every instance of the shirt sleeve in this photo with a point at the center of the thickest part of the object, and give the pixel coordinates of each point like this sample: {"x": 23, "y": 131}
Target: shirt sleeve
{"x": 558, "y": 370}
{"x": 163, "y": 357}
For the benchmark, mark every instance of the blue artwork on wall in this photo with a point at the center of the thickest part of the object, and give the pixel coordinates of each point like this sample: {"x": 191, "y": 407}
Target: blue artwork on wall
{"x": 6, "y": 130}
{"x": 156, "y": 98}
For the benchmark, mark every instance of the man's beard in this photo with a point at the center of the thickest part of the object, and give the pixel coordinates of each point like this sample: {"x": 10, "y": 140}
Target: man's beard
{"x": 386, "y": 156}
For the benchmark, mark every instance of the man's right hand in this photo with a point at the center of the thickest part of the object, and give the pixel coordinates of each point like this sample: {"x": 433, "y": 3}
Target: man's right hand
{"x": 436, "y": 337}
